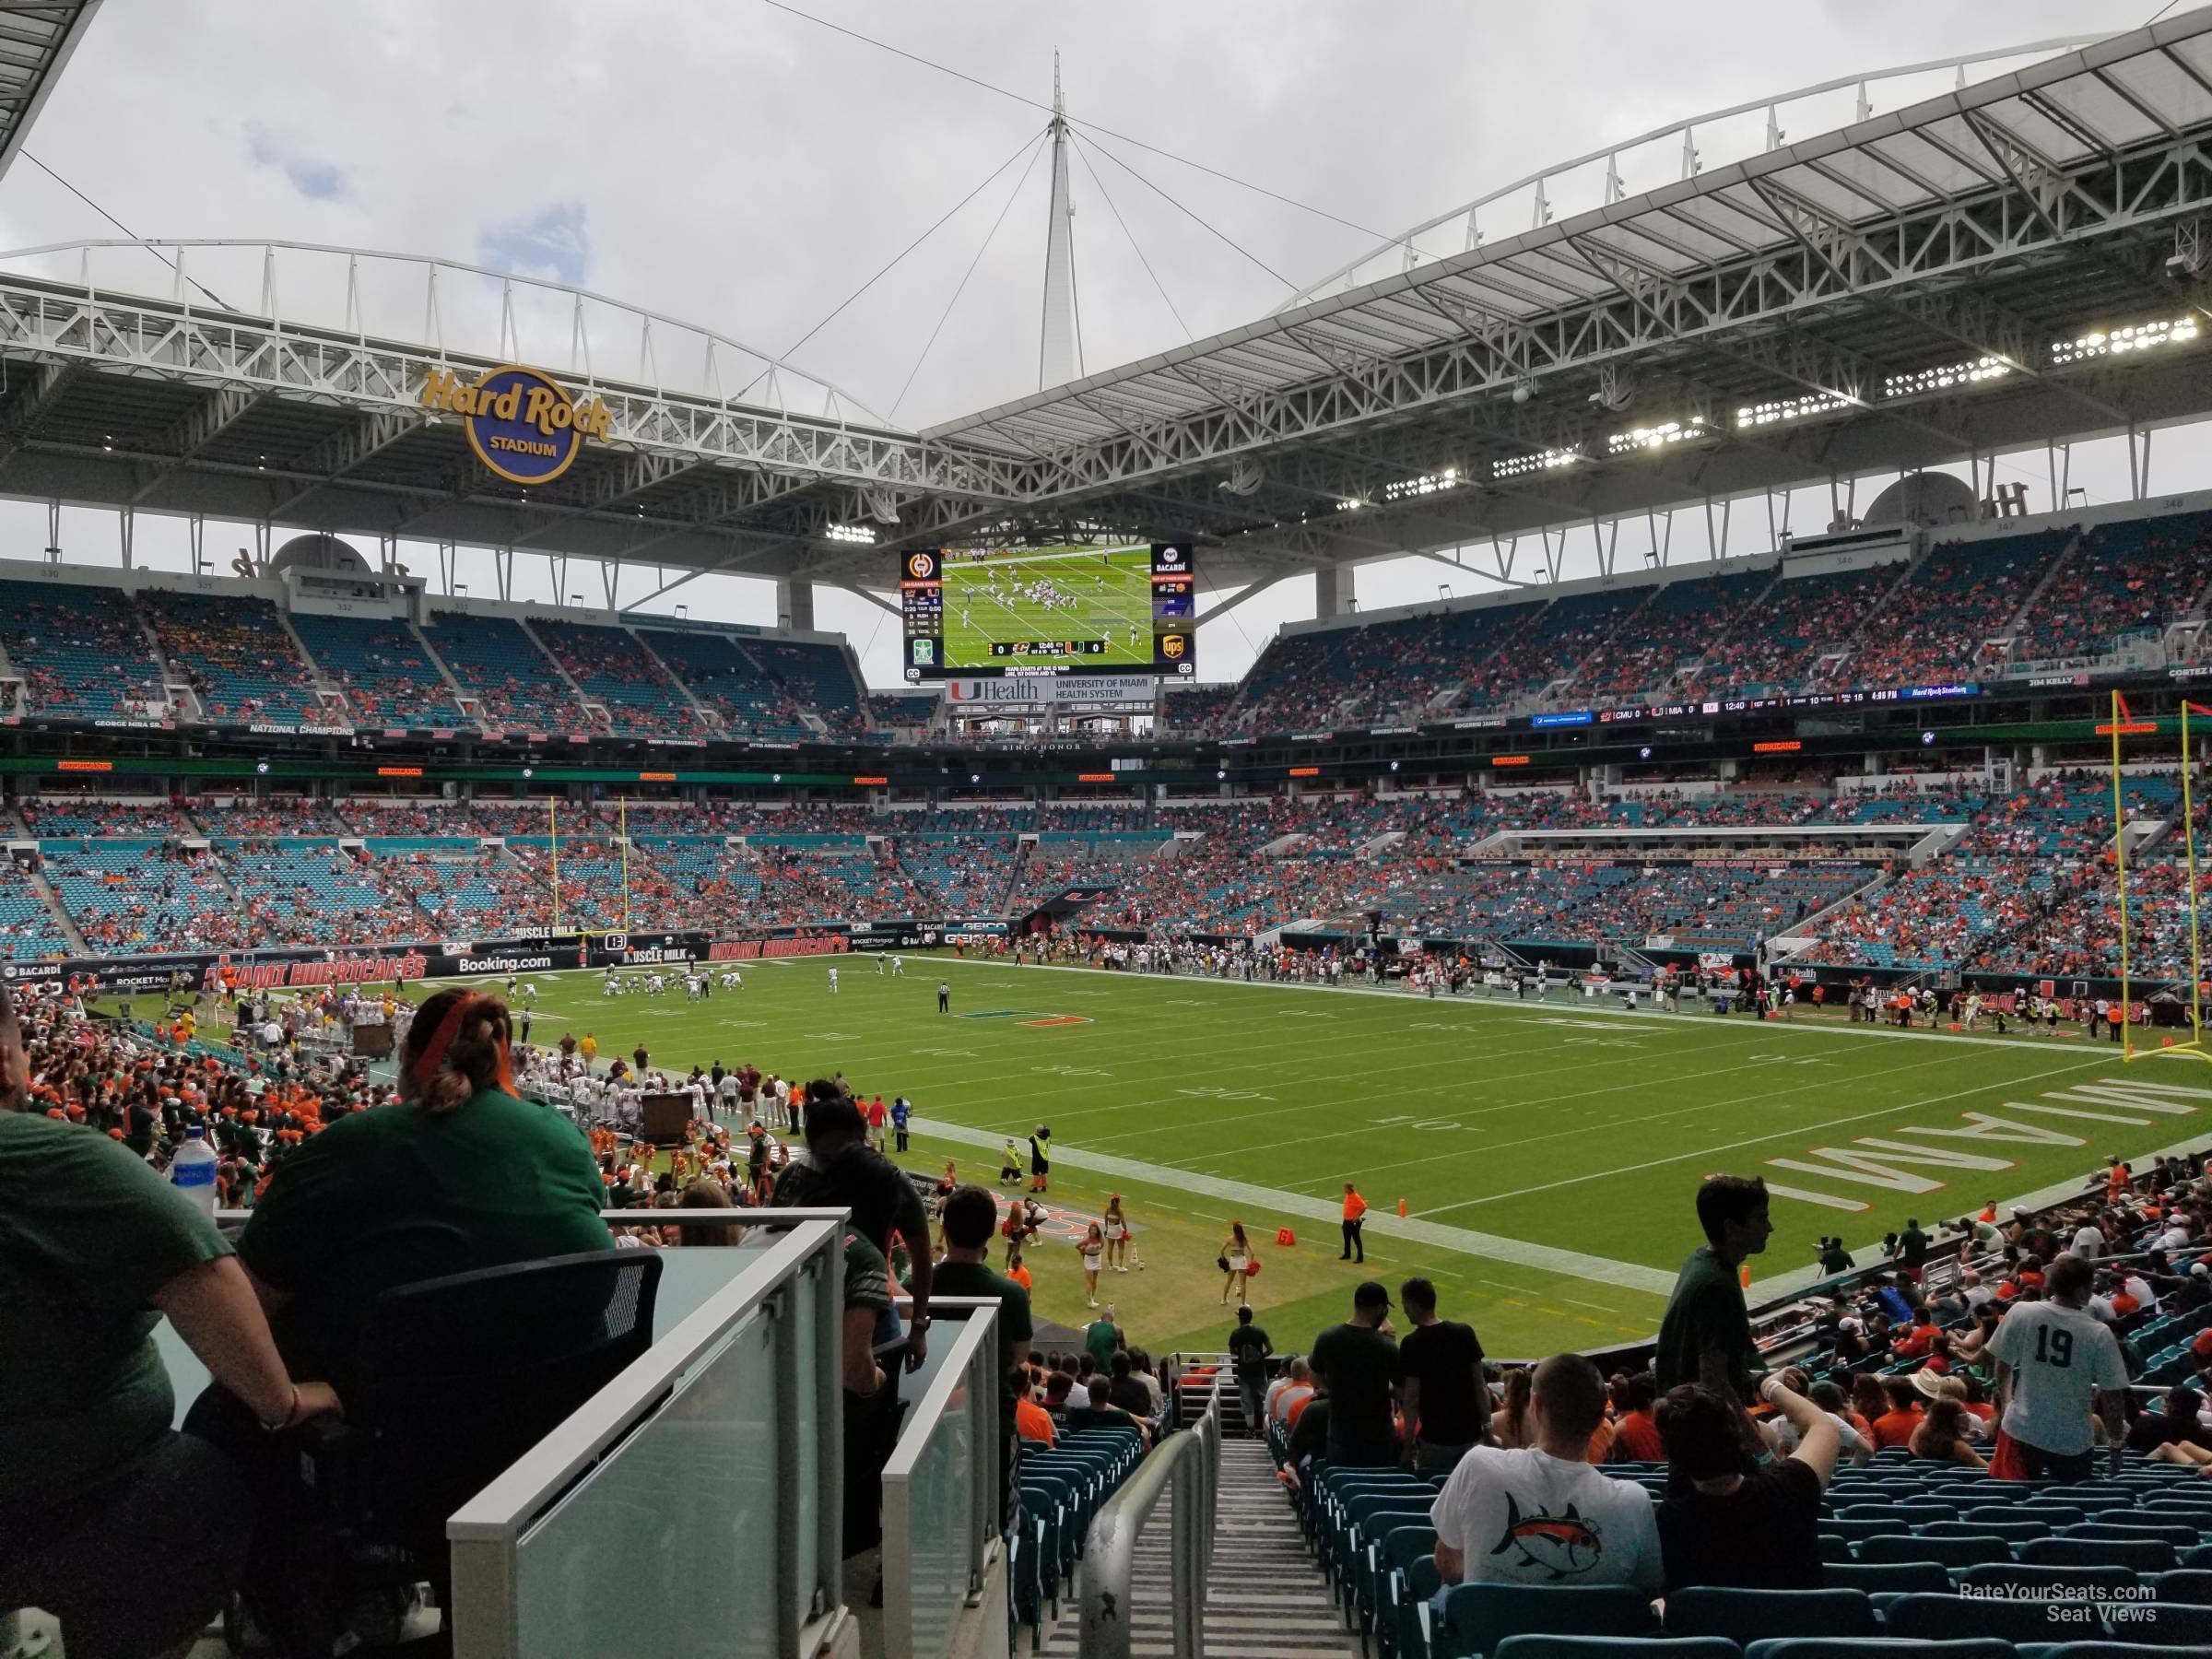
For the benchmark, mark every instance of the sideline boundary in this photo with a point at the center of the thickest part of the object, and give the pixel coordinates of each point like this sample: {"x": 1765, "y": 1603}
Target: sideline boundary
{"x": 1598, "y": 1270}
{"x": 1592, "y": 1009}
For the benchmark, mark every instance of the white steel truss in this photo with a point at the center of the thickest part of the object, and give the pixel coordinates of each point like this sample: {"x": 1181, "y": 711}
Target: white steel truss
{"x": 1910, "y": 290}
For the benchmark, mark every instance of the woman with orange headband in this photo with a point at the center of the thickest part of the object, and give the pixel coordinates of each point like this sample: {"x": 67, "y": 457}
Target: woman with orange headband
{"x": 461, "y": 1174}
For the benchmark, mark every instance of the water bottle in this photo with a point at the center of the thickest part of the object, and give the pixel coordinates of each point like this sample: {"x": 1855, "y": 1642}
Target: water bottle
{"x": 192, "y": 1170}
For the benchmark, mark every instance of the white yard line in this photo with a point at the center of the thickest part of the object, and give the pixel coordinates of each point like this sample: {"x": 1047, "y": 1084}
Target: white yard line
{"x": 1548, "y": 1103}
{"x": 1796, "y": 1131}
{"x": 1573, "y": 1263}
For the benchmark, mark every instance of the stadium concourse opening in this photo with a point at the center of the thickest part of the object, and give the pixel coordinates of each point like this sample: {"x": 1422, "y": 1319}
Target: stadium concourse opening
{"x": 1656, "y": 1104}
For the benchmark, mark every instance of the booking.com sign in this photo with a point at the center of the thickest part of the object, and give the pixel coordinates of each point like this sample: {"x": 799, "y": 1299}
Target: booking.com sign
{"x": 523, "y": 425}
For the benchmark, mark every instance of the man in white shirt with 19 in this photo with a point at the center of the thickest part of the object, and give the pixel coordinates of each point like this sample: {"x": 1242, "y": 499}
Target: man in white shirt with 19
{"x": 2053, "y": 1358}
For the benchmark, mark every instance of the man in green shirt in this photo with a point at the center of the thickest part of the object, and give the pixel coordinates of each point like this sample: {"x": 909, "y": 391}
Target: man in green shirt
{"x": 1102, "y": 1337}
{"x": 1912, "y": 1248}
{"x": 1706, "y": 1335}
{"x": 130, "y": 1534}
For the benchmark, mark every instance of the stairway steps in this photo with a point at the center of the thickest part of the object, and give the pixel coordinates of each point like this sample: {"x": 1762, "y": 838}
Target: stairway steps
{"x": 1265, "y": 1598}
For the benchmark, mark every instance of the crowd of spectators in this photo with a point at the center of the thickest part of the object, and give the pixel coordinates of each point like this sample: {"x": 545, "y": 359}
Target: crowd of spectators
{"x": 2026, "y": 889}
{"x": 60, "y": 817}
{"x": 2132, "y": 577}
{"x": 1685, "y": 622}
{"x": 1799, "y": 620}
{"x": 1957, "y": 599}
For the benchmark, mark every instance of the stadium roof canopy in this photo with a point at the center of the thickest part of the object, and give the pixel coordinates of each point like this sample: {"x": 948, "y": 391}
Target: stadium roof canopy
{"x": 35, "y": 39}
{"x": 2019, "y": 261}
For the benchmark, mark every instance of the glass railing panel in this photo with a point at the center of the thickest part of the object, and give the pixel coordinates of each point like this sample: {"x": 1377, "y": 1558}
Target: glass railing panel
{"x": 657, "y": 1550}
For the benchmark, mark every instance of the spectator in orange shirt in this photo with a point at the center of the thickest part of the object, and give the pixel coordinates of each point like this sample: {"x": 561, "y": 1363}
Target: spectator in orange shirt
{"x": 1355, "y": 1208}
{"x": 1867, "y": 1402}
{"x": 1920, "y": 1338}
{"x": 1895, "y": 1426}
{"x": 1635, "y": 1434}
{"x": 1032, "y": 1422}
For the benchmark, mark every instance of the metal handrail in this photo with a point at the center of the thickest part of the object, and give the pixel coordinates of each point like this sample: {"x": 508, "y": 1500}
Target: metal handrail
{"x": 1188, "y": 1465}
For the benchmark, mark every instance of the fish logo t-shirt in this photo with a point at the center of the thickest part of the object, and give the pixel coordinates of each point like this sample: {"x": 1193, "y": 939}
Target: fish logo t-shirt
{"x": 1528, "y": 1518}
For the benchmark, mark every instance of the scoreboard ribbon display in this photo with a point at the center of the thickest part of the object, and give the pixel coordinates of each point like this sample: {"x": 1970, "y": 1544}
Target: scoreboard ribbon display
{"x": 1006, "y": 612}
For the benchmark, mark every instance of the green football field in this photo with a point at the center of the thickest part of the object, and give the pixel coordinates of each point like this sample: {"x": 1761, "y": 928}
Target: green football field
{"x": 1111, "y": 596}
{"x": 1547, "y": 1153}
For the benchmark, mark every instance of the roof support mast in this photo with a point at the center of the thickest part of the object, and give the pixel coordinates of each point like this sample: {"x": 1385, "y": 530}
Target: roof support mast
{"x": 1058, "y": 346}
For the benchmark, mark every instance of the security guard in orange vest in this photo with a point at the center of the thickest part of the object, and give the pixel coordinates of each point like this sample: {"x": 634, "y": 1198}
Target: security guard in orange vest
{"x": 1354, "y": 1210}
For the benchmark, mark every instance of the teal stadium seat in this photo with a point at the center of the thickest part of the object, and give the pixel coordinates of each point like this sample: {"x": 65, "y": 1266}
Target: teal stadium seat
{"x": 1752, "y": 1614}
{"x": 1478, "y": 1617}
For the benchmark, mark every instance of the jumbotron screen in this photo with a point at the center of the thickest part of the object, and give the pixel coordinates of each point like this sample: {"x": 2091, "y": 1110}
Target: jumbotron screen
{"x": 1049, "y": 610}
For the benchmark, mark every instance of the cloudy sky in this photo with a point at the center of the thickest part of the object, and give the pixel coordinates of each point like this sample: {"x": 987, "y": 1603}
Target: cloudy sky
{"x": 730, "y": 163}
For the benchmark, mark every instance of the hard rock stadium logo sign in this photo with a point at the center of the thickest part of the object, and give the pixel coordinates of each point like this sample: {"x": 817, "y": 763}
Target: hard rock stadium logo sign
{"x": 524, "y": 426}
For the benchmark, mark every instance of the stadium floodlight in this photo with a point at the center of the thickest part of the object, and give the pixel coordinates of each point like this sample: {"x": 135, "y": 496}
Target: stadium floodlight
{"x": 1518, "y": 466}
{"x": 1658, "y": 435}
{"x": 1406, "y": 489}
{"x": 1350, "y": 504}
{"x": 858, "y": 534}
{"x": 1945, "y": 377}
{"x": 1799, "y": 407}
{"x": 2125, "y": 341}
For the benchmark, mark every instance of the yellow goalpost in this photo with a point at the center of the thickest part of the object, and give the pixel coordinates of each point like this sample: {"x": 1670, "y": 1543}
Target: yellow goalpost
{"x": 2122, "y": 726}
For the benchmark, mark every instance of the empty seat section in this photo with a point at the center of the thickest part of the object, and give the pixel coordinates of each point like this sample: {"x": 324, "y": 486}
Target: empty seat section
{"x": 615, "y": 671}
{"x": 385, "y": 673}
{"x": 498, "y": 666}
{"x": 236, "y": 655}
{"x": 82, "y": 651}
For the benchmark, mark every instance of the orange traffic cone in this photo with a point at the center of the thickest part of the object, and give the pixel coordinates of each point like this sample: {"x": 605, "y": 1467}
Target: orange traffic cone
{"x": 1283, "y": 1235}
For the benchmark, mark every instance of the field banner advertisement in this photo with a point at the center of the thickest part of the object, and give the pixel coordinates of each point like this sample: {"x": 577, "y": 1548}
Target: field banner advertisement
{"x": 971, "y": 696}
{"x": 787, "y": 945}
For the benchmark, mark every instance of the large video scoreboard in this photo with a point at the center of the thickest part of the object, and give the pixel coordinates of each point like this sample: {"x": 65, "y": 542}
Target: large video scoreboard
{"x": 984, "y": 611}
